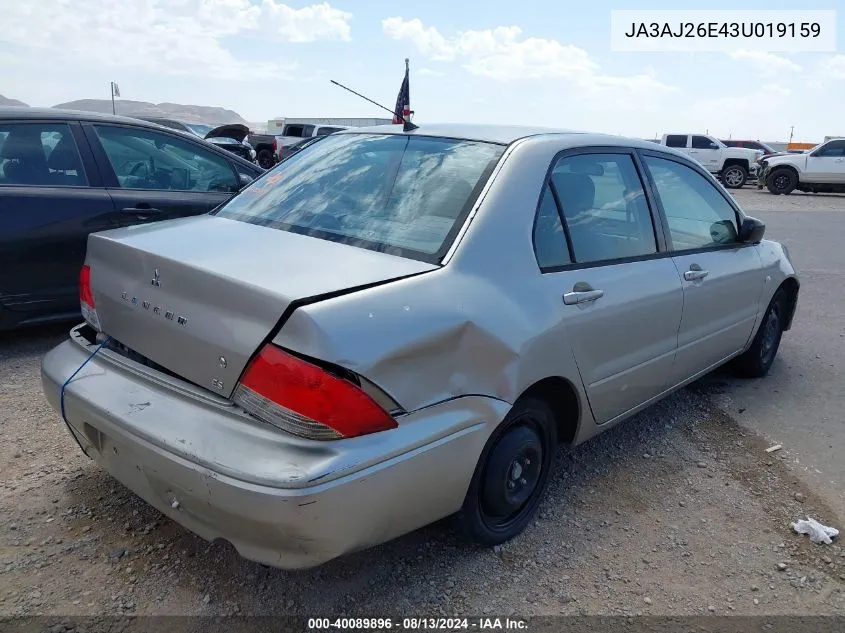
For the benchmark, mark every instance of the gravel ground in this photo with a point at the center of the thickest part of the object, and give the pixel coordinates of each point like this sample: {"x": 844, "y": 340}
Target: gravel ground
{"x": 679, "y": 511}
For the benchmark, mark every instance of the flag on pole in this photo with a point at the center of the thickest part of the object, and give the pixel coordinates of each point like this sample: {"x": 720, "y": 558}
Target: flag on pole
{"x": 115, "y": 89}
{"x": 402, "y": 111}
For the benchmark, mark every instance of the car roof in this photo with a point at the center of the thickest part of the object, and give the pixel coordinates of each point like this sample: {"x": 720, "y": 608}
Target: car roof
{"x": 507, "y": 134}
{"x": 19, "y": 112}
{"x": 22, "y": 113}
{"x": 504, "y": 134}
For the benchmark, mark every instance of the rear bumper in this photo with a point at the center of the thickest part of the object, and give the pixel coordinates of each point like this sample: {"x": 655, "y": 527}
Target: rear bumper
{"x": 280, "y": 500}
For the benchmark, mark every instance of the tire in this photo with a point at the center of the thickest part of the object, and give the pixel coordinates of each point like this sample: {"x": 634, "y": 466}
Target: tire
{"x": 734, "y": 176}
{"x": 757, "y": 360}
{"x": 266, "y": 159}
{"x": 512, "y": 475}
{"x": 782, "y": 181}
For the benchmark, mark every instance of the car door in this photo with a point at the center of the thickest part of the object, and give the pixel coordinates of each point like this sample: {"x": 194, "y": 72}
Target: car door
{"x": 827, "y": 164}
{"x": 722, "y": 278}
{"x": 597, "y": 246}
{"x": 51, "y": 198}
{"x": 154, "y": 175}
{"x": 706, "y": 152}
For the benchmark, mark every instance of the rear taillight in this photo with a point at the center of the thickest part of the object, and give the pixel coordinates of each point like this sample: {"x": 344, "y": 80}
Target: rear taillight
{"x": 86, "y": 298}
{"x": 306, "y": 400}
{"x": 275, "y": 144}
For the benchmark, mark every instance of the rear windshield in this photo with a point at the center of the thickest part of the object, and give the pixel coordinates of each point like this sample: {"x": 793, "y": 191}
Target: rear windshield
{"x": 405, "y": 195}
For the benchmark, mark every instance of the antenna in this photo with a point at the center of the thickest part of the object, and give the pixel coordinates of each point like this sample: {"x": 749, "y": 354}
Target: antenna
{"x": 407, "y": 125}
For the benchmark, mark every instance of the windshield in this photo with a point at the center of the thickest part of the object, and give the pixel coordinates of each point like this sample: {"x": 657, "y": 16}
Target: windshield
{"x": 406, "y": 195}
{"x": 199, "y": 128}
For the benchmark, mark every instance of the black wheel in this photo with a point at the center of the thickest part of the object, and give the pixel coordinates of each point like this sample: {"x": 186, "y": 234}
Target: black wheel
{"x": 782, "y": 181}
{"x": 266, "y": 159}
{"x": 512, "y": 474}
{"x": 734, "y": 176}
{"x": 757, "y": 360}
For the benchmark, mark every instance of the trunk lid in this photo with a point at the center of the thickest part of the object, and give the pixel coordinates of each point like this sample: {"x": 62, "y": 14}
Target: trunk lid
{"x": 199, "y": 295}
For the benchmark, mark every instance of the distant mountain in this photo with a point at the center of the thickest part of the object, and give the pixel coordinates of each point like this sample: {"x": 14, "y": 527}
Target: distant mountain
{"x": 5, "y": 101}
{"x": 191, "y": 113}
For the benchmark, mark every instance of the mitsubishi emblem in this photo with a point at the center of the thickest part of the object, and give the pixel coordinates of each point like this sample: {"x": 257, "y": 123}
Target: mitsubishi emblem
{"x": 155, "y": 281}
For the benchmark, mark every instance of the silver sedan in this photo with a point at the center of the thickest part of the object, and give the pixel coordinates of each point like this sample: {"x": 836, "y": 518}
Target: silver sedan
{"x": 394, "y": 327}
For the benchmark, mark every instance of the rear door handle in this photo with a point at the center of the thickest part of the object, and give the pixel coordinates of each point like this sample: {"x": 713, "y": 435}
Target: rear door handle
{"x": 582, "y": 296}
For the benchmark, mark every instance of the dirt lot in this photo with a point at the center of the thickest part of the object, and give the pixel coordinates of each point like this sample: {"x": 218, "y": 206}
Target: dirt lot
{"x": 679, "y": 511}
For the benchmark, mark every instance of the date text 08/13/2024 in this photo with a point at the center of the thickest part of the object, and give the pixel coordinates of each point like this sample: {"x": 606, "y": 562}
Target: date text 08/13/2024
{"x": 416, "y": 624}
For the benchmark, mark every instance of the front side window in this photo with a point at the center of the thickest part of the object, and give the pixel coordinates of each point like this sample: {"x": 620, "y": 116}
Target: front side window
{"x": 604, "y": 206}
{"x": 40, "y": 154}
{"x": 697, "y": 214}
{"x": 832, "y": 149}
{"x": 393, "y": 193}
{"x": 145, "y": 159}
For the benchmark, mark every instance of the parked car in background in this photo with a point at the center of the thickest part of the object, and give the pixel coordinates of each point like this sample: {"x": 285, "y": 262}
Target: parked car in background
{"x": 288, "y": 150}
{"x": 404, "y": 326}
{"x": 233, "y": 138}
{"x": 64, "y": 175}
{"x": 819, "y": 170}
{"x": 733, "y": 165}
{"x": 766, "y": 150}
{"x": 197, "y": 129}
{"x": 263, "y": 144}
{"x": 294, "y": 133}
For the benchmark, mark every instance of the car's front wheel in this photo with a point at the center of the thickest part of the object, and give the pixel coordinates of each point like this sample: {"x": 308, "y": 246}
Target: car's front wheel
{"x": 782, "y": 181}
{"x": 511, "y": 475}
{"x": 758, "y": 359}
{"x": 734, "y": 176}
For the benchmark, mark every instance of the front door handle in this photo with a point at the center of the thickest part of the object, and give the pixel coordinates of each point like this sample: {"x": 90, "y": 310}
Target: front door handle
{"x": 582, "y": 293}
{"x": 695, "y": 273}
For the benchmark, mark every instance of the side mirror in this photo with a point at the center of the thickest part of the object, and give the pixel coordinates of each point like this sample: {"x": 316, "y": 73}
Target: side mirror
{"x": 244, "y": 180}
{"x": 751, "y": 231}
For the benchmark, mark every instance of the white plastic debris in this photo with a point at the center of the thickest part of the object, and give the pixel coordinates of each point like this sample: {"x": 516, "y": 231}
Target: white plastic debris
{"x": 774, "y": 448}
{"x": 818, "y": 533}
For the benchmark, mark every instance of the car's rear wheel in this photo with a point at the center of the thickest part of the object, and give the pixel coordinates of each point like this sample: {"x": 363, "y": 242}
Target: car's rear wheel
{"x": 757, "y": 360}
{"x": 266, "y": 159}
{"x": 734, "y": 176}
{"x": 512, "y": 474}
{"x": 782, "y": 181}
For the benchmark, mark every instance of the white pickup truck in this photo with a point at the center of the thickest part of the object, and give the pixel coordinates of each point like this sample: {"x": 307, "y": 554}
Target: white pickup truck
{"x": 733, "y": 165}
{"x": 819, "y": 170}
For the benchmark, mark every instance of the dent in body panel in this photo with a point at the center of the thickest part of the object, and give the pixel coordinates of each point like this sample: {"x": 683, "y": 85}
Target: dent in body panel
{"x": 424, "y": 340}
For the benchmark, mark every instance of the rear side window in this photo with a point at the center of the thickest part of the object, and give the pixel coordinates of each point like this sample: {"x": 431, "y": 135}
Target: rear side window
{"x": 322, "y": 131}
{"x": 549, "y": 238}
{"x": 604, "y": 206}
{"x": 146, "y": 159}
{"x": 40, "y": 154}
{"x": 676, "y": 140}
{"x": 394, "y": 193}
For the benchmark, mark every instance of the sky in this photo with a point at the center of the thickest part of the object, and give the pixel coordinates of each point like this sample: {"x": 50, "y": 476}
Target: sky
{"x": 531, "y": 62}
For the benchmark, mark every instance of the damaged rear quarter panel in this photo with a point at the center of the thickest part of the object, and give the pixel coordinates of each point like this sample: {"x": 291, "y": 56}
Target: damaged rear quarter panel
{"x": 479, "y": 325}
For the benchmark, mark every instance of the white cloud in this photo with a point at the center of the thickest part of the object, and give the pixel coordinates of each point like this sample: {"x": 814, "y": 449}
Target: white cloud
{"x": 766, "y": 64}
{"x": 430, "y": 72}
{"x": 504, "y": 54}
{"x": 181, "y": 37}
{"x": 833, "y": 67}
